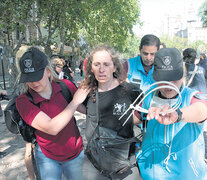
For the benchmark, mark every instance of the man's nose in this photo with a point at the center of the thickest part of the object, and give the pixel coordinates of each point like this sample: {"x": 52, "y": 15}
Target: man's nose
{"x": 149, "y": 57}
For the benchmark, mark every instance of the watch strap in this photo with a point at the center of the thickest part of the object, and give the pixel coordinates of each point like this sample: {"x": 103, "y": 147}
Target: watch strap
{"x": 179, "y": 115}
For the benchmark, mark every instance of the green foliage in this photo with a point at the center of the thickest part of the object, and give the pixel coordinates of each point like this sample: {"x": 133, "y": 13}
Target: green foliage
{"x": 182, "y": 44}
{"x": 203, "y": 13}
{"x": 12, "y": 14}
{"x": 132, "y": 45}
{"x": 177, "y": 42}
{"x": 77, "y": 23}
{"x": 111, "y": 22}
{"x": 13, "y": 18}
{"x": 60, "y": 20}
{"x": 94, "y": 20}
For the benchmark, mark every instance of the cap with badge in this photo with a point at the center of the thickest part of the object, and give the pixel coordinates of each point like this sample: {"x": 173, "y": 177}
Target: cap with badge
{"x": 168, "y": 65}
{"x": 32, "y": 65}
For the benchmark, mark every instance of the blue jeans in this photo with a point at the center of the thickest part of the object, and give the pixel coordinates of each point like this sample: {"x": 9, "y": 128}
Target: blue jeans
{"x": 50, "y": 169}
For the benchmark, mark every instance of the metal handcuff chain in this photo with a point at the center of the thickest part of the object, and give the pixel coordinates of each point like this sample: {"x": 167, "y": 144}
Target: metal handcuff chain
{"x": 141, "y": 109}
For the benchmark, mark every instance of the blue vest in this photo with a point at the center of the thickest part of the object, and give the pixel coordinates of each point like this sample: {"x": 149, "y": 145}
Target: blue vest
{"x": 174, "y": 151}
{"x": 137, "y": 75}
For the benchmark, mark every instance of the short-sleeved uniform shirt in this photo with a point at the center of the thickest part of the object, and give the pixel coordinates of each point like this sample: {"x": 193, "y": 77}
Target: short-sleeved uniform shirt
{"x": 67, "y": 144}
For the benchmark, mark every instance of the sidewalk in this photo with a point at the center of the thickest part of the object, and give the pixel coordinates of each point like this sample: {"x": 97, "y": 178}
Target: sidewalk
{"x": 12, "y": 166}
{"x": 12, "y": 163}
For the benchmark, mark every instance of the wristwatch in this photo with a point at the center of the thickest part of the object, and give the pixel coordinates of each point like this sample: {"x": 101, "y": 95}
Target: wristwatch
{"x": 179, "y": 115}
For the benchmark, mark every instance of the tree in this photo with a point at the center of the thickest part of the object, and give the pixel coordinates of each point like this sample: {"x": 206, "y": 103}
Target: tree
{"x": 13, "y": 14}
{"x": 111, "y": 21}
{"x": 203, "y": 13}
{"x": 132, "y": 49}
{"x": 67, "y": 23}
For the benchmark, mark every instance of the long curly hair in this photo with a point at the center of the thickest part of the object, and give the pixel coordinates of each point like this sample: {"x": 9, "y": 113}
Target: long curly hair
{"x": 90, "y": 80}
{"x": 119, "y": 74}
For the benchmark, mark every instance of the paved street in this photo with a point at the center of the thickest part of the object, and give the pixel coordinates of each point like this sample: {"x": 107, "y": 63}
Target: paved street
{"x": 12, "y": 165}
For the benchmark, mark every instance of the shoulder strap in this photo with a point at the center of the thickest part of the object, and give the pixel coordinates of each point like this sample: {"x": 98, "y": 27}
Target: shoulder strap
{"x": 31, "y": 99}
{"x": 193, "y": 74}
{"x": 97, "y": 111}
{"x": 97, "y": 117}
{"x": 29, "y": 96}
{"x": 65, "y": 91}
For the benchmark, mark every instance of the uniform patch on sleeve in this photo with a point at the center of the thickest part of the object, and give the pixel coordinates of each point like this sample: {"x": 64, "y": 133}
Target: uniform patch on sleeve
{"x": 201, "y": 96}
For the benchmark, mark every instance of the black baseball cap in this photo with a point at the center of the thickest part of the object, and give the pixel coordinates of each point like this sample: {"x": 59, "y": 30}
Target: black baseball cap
{"x": 32, "y": 65}
{"x": 189, "y": 53}
{"x": 168, "y": 65}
